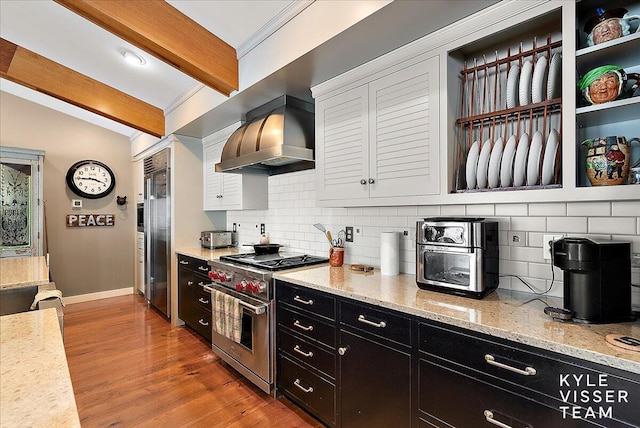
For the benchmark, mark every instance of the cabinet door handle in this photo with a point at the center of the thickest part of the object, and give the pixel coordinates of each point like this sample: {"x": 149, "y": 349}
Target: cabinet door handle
{"x": 206, "y": 269}
{"x": 488, "y": 414}
{"x": 372, "y": 180}
{"x": 203, "y": 322}
{"x": 528, "y": 371}
{"x": 201, "y": 300}
{"x": 301, "y": 352}
{"x": 304, "y": 302}
{"x": 183, "y": 262}
{"x": 307, "y": 390}
{"x": 343, "y": 350}
{"x": 363, "y": 181}
{"x": 380, "y": 324}
{"x": 189, "y": 282}
{"x": 301, "y": 327}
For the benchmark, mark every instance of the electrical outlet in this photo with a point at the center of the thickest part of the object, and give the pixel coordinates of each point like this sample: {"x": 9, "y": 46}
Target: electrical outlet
{"x": 348, "y": 232}
{"x": 546, "y": 246}
{"x": 517, "y": 239}
{"x": 262, "y": 229}
{"x": 357, "y": 230}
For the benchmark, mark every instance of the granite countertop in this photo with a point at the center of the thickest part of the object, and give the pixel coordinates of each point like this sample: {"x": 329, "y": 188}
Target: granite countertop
{"x": 207, "y": 254}
{"x": 36, "y": 388}
{"x": 506, "y": 314}
{"x": 16, "y": 272}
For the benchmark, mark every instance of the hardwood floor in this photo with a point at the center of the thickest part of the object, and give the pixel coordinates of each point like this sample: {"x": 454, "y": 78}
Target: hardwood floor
{"x": 131, "y": 368}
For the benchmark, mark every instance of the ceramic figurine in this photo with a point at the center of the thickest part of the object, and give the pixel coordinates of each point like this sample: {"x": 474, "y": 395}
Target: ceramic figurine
{"x": 608, "y": 25}
{"x": 607, "y": 83}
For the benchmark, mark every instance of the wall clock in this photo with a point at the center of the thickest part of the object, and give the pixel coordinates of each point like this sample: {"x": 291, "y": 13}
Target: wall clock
{"x": 90, "y": 179}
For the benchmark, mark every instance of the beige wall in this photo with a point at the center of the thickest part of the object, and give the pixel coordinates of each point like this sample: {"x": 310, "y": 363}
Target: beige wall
{"x": 82, "y": 260}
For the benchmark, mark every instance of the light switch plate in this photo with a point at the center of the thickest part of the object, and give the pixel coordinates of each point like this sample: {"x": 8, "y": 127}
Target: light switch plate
{"x": 517, "y": 239}
{"x": 76, "y": 203}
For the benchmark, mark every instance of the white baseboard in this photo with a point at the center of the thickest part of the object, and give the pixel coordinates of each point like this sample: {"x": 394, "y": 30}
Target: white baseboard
{"x": 97, "y": 296}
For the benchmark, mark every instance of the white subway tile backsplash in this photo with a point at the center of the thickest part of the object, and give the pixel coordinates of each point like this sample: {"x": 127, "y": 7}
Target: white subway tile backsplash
{"x": 536, "y": 224}
{"x": 626, "y": 208}
{"x": 293, "y": 211}
{"x": 481, "y": 210}
{"x": 556, "y": 209}
{"x": 512, "y": 209}
{"x": 589, "y": 209}
{"x": 567, "y": 224}
{"x": 615, "y": 225}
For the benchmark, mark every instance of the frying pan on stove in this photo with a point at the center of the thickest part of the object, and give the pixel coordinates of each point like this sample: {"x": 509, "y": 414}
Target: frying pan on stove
{"x": 262, "y": 249}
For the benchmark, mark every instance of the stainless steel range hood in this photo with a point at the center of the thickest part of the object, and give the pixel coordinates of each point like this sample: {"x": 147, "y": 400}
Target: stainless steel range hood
{"x": 277, "y": 138}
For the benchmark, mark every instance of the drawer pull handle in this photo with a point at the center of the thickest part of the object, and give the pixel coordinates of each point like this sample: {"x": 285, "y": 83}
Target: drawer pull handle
{"x": 183, "y": 262}
{"x": 380, "y": 324}
{"x": 488, "y": 414}
{"x": 203, "y": 323}
{"x": 304, "y": 302}
{"x": 206, "y": 269}
{"x": 201, "y": 300}
{"x": 301, "y": 327}
{"x": 189, "y": 282}
{"x": 528, "y": 371}
{"x": 307, "y": 390}
{"x": 301, "y": 352}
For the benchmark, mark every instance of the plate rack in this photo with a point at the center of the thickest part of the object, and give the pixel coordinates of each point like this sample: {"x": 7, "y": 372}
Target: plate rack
{"x": 487, "y": 114}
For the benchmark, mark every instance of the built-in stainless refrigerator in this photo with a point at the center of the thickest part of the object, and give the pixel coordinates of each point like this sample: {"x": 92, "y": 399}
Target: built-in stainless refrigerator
{"x": 157, "y": 211}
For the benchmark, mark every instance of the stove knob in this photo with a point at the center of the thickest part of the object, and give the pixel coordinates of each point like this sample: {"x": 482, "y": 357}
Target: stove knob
{"x": 240, "y": 286}
{"x": 253, "y": 287}
{"x": 222, "y": 277}
{"x": 213, "y": 274}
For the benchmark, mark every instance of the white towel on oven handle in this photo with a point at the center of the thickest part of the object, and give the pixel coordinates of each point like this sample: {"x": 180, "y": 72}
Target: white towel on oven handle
{"x": 227, "y": 315}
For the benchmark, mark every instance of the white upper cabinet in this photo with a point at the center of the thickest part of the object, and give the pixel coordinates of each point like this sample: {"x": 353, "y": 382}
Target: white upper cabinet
{"x": 228, "y": 191}
{"x": 377, "y": 143}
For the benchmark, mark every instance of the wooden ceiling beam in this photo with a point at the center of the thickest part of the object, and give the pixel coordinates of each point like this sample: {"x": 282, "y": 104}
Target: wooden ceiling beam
{"x": 34, "y": 71}
{"x": 164, "y": 32}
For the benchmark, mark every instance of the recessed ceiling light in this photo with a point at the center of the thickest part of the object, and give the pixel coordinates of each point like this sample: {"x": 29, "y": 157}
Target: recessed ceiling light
{"x": 132, "y": 57}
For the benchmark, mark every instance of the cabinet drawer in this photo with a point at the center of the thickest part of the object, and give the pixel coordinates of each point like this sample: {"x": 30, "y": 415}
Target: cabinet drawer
{"x": 202, "y": 299}
{"x": 308, "y": 353}
{"x": 307, "y": 327}
{"x": 443, "y": 393}
{"x": 381, "y": 323}
{"x": 317, "y": 395}
{"x": 197, "y": 265}
{"x": 201, "y": 322}
{"x": 565, "y": 380}
{"x": 305, "y": 299}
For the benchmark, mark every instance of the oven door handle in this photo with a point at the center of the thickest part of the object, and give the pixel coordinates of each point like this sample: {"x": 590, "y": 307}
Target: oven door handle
{"x": 258, "y": 310}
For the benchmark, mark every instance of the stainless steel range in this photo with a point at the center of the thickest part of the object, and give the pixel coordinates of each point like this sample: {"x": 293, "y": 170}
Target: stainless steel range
{"x": 249, "y": 278}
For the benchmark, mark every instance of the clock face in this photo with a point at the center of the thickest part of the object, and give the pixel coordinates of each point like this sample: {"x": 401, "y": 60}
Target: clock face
{"x": 90, "y": 179}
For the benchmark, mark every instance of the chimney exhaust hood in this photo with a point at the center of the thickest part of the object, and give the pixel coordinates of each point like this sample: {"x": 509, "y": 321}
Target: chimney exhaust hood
{"x": 277, "y": 138}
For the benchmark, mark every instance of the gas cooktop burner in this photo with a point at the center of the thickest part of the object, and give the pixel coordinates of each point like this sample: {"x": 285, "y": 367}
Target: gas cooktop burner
{"x": 274, "y": 262}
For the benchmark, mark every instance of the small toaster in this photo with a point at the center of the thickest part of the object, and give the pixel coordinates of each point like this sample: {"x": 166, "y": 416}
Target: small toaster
{"x": 217, "y": 239}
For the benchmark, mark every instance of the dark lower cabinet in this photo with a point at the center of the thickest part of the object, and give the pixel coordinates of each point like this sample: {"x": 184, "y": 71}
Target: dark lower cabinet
{"x": 355, "y": 365}
{"x": 375, "y": 383}
{"x": 194, "y": 303}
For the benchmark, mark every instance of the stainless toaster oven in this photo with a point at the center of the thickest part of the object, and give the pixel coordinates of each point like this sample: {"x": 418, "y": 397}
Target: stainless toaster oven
{"x": 457, "y": 255}
{"x": 217, "y": 239}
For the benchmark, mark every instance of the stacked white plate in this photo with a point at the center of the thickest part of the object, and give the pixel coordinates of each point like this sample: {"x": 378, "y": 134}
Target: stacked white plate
{"x": 472, "y": 165}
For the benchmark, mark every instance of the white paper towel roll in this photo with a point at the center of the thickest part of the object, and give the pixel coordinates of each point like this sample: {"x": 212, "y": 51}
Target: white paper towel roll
{"x": 389, "y": 253}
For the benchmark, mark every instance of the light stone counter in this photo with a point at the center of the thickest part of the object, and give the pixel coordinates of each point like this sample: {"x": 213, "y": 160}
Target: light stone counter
{"x": 35, "y": 390}
{"x": 17, "y": 272}
{"x": 509, "y": 315}
{"x": 207, "y": 254}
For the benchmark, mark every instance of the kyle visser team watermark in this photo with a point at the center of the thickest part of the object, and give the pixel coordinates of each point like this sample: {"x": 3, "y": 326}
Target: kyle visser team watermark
{"x": 588, "y": 396}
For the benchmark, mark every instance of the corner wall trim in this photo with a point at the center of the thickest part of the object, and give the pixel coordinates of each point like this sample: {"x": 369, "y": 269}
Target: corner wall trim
{"x": 97, "y": 296}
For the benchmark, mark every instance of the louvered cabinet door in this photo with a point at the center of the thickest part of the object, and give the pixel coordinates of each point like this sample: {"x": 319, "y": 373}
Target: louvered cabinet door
{"x": 403, "y": 130}
{"x": 342, "y": 145}
{"x": 212, "y": 180}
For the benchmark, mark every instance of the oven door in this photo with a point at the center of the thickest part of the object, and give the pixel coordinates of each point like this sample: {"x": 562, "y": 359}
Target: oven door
{"x": 452, "y": 268}
{"x": 253, "y": 356}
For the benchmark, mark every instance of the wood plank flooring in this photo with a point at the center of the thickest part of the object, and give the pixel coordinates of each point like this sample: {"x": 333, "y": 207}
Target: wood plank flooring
{"x": 130, "y": 368}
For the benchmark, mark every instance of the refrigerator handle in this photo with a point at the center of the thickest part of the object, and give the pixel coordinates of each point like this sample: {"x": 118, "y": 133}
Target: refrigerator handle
{"x": 147, "y": 240}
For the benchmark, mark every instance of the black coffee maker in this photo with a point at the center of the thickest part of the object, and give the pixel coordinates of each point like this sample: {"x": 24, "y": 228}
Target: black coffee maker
{"x": 597, "y": 278}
